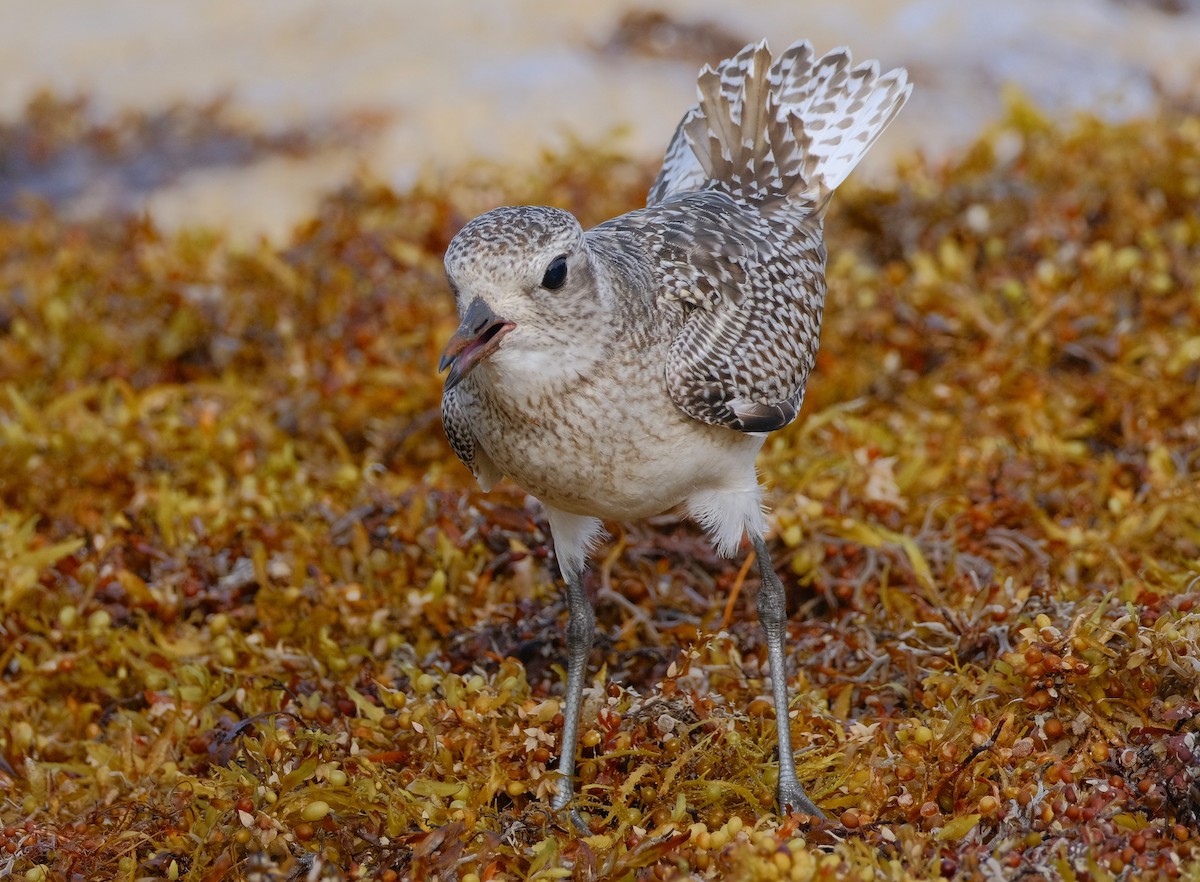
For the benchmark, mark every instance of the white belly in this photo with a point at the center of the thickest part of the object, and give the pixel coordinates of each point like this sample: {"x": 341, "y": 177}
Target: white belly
{"x": 614, "y": 453}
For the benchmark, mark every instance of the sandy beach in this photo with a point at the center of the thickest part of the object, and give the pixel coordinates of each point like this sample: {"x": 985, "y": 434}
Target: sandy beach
{"x": 425, "y": 88}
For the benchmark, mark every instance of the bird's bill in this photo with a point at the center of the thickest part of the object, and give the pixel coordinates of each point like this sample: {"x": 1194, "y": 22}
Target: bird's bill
{"x": 477, "y": 337}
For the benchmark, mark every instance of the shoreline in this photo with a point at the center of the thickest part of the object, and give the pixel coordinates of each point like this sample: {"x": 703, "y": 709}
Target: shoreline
{"x": 403, "y": 97}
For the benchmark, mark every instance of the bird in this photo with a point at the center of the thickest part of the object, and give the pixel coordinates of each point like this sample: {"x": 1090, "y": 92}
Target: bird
{"x": 635, "y": 368}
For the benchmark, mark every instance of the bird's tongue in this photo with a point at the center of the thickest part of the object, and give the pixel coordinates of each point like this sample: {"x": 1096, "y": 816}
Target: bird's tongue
{"x": 476, "y": 338}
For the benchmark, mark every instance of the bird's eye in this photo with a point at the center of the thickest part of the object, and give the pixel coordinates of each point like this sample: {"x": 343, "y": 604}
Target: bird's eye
{"x": 556, "y": 274}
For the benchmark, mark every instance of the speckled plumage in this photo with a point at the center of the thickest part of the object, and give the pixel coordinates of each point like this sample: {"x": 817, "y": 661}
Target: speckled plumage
{"x": 620, "y": 372}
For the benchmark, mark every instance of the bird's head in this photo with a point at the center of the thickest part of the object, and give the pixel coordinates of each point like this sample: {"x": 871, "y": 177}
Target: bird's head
{"x": 523, "y": 282}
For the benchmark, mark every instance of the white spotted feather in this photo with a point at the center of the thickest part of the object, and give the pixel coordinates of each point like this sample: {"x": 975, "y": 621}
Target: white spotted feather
{"x": 840, "y": 111}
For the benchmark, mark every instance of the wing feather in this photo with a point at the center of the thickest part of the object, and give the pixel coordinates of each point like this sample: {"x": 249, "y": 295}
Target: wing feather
{"x": 793, "y": 129}
{"x": 740, "y": 200}
{"x": 753, "y": 295}
{"x": 456, "y": 421}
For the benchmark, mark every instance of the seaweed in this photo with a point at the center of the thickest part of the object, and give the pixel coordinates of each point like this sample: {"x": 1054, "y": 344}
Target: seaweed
{"x": 256, "y": 622}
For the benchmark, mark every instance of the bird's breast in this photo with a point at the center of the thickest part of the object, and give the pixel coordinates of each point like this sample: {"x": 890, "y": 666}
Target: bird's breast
{"x": 611, "y": 445}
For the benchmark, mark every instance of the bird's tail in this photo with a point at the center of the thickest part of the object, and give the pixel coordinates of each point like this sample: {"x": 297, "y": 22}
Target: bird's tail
{"x": 788, "y": 131}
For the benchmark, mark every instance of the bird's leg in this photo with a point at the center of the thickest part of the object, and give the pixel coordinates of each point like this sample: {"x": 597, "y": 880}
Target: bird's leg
{"x": 772, "y": 616}
{"x": 581, "y": 625}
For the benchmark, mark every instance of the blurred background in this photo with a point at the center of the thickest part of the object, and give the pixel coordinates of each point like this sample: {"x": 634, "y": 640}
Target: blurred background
{"x": 240, "y": 115}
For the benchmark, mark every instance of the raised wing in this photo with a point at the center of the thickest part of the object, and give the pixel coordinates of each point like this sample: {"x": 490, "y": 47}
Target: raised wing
{"x": 741, "y": 196}
{"x": 681, "y": 171}
{"x": 798, "y": 126}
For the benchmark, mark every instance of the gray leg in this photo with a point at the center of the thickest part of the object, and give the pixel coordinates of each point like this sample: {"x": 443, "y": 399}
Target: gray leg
{"x": 772, "y": 615}
{"x": 581, "y": 625}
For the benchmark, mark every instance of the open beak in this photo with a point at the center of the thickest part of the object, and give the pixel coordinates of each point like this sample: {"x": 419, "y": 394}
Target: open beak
{"x": 477, "y": 337}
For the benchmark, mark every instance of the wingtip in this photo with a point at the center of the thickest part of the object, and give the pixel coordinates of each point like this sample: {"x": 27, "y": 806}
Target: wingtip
{"x": 898, "y": 80}
{"x": 804, "y": 44}
{"x": 755, "y": 417}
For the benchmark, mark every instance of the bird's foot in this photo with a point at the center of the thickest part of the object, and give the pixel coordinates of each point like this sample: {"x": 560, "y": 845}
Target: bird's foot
{"x": 581, "y": 826}
{"x": 561, "y": 805}
{"x": 792, "y": 798}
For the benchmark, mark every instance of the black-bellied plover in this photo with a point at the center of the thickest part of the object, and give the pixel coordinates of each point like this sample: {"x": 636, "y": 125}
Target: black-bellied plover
{"x": 623, "y": 371}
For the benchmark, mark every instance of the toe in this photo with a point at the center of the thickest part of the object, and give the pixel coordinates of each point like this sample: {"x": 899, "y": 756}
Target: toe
{"x": 792, "y": 798}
